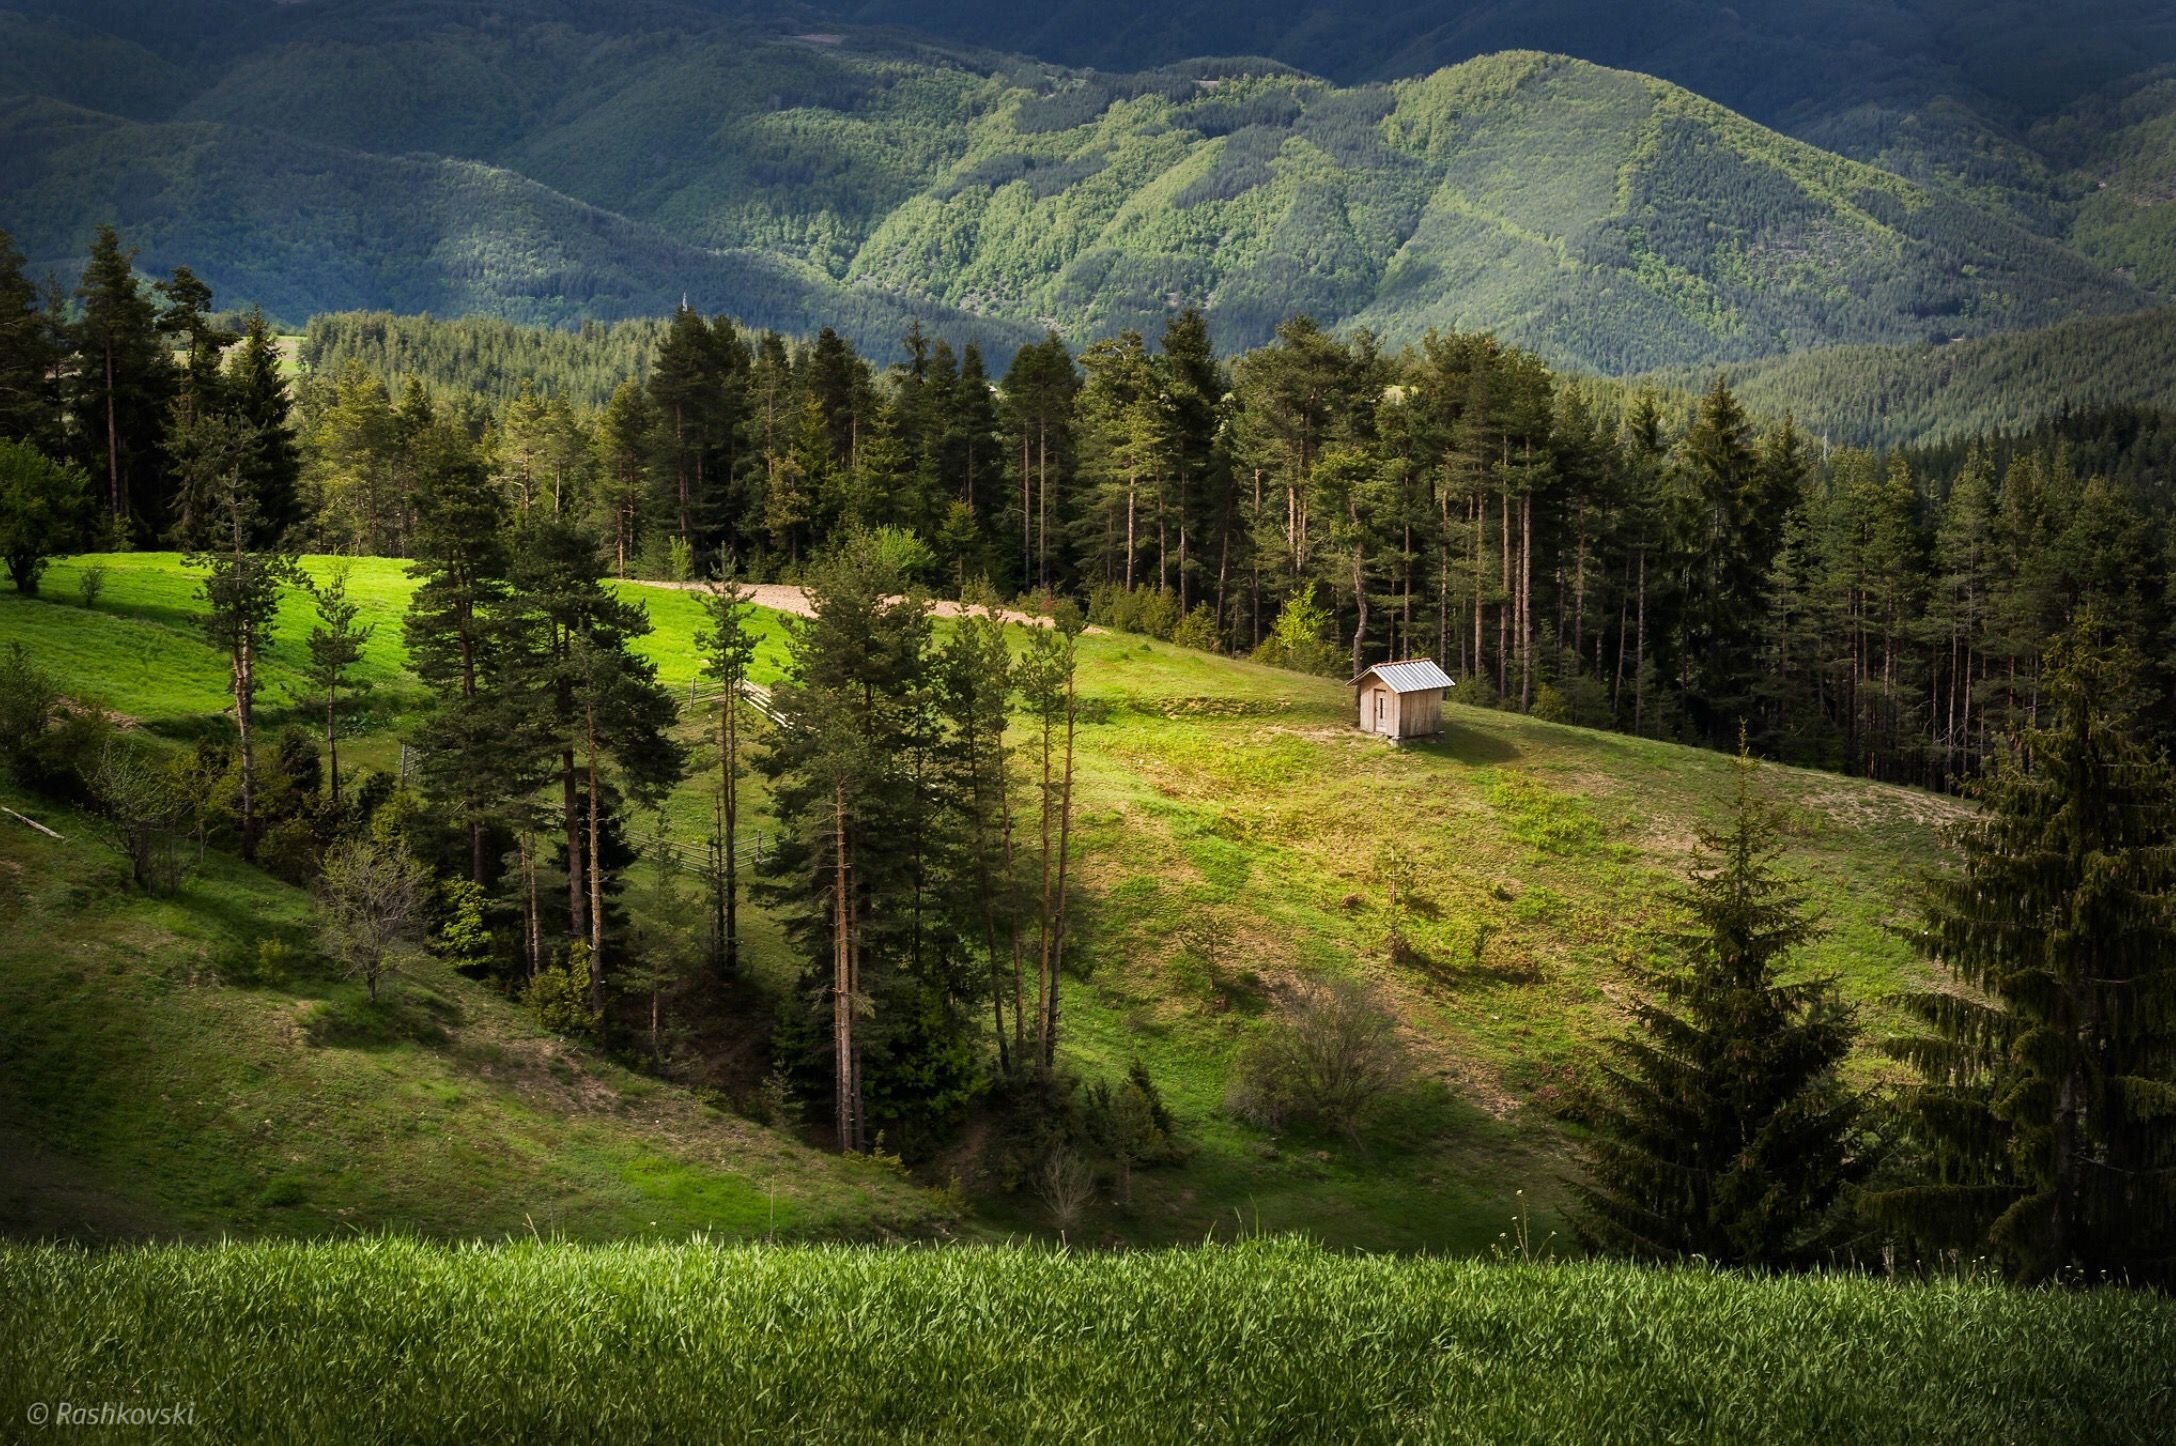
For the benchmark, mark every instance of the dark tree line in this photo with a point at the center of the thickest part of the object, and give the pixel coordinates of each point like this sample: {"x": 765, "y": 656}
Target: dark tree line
{"x": 131, "y": 382}
{"x": 1656, "y": 564}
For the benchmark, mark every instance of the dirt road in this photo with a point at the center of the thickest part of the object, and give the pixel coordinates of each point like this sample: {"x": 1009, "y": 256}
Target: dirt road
{"x": 778, "y": 597}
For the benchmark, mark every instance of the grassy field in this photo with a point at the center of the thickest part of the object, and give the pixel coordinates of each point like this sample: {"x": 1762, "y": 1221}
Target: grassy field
{"x": 157, "y": 1083}
{"x": 1264, "y": 1341}
{"x": 1234, "y": 834}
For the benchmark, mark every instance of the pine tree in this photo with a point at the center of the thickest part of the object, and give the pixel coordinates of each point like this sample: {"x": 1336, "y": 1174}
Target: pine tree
{"x": 843, "y": 765}
{"x": 728, "y": 647}
{"x": 623, "y": 450}
{"x": 457, "y": 636}
{"x": 1039, "y": 392}
{"x": 123, "y": 381}
{"x": 2047, "y": 1116}
{"x": 31, "y": 349}
{"x": 1049, "y": 689}
{"x": 187, "y": 324}
{"x": 336, "y": 646}
{"x": 586, "y": 697}
{"x": 1722, "y": 1129}
{"x": 974, "y": 682}
{"x": 244, "y": 573}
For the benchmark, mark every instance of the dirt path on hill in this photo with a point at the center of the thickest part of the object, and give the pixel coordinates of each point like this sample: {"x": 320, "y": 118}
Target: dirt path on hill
{"x": 779, "y": 597}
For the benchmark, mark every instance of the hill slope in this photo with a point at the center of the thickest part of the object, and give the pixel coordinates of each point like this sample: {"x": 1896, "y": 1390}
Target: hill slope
{"x": 1232, "y": 830}
{"x": 159, "y": 1082}
{"x": 424, "y": 155}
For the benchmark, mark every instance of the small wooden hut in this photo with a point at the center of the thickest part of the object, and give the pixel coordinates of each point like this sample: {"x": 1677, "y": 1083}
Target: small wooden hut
{"x": 1402, "y": 700}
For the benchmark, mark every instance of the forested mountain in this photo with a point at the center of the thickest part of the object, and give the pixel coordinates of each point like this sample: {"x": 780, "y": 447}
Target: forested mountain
{"x": 1885, "y": 396}
{"x": 555, "y": 160}
{"x": 1774, "y": 58}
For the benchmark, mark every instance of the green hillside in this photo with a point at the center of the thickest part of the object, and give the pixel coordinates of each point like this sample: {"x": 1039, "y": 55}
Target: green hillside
{"x": 1884, "y": 396}
{"x": 1272, "y": 1340}
{"x": 2121, "y": 147}
{"x": 1232, "y": 830}
{"x": 565, "y": 162}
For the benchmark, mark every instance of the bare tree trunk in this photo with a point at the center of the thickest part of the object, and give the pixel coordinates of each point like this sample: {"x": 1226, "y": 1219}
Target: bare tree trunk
{"x": 1019, "y": 963}
{"x": 1526, "y": 604}
{"x": 729, "y": 718}
{"x": 1639, "y": 661}
{"x": 1042, "y": 967}
{"x": 332, "y": 743}
{"x": 536, "y": 931}
{"x": 245, "y": 680}
{"x": 596, "y": 872}
{"x": 1360, "y": 598}
{"x": 987, "y": 886}
{"x": 1130, "y": 545}
{"x": 1479, "y": 510}
{"x": 1504, "y": 607}
{"x": 842, "y": 980}
{"x": 113, "y": 443}
{"x": 1065, "y": 838}
{"x": 570, "y": 799}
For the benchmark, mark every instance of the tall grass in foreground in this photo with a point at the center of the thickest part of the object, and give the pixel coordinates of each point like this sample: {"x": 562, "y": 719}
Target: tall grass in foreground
{"x": 1274, "y": 1340}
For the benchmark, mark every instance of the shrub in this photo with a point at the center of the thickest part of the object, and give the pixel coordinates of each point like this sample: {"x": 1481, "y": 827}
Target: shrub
{"x": 142, "y": 810}
{"x": 776, "y": 1104}
{"x": 369, "y": 902}
{"x": 1330, "y": 1061}
{"x": 1198, "y": 630}
{"x": 1129, "y": 1123}
{"x": 463, "y": 940}
{"x": 1066, "y": 1184}
{"x": 1149, "y": 611}
{"x": 558, "y": 994}
{"x": 29, "y": 699}
{"x": 42, "y": 506}
{"x": 1297, "y": 640}
{"x": 91, "y": 583}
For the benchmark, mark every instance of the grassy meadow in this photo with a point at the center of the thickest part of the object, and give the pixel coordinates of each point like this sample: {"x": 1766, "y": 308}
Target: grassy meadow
{"x": 1235, "y": 837}
{"x": 1267, "y": 1340}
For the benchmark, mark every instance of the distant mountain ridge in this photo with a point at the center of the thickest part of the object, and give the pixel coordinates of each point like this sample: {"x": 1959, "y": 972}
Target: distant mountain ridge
{"x": 551, "y": 160}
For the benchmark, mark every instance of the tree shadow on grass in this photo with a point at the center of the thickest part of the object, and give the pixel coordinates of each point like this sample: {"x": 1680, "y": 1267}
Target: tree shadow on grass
{"x": 1469, "y": 746}
{"x": 401, "y": 1016}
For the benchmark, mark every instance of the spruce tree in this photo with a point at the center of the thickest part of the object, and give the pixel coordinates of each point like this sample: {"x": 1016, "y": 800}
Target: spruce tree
{"x": 2046, "y": 1119}
{"x": 1728, "y": 534}
{"x": 256, "y": 392}
{"x": 1721, "y": 1128}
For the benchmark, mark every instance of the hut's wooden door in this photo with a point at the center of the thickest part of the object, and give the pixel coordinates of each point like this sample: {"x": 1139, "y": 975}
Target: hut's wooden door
{"x": 1382, "y": 711}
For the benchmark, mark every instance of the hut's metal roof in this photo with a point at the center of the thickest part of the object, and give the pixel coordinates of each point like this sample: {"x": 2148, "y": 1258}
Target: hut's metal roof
{"x": 1418, "y": 676}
